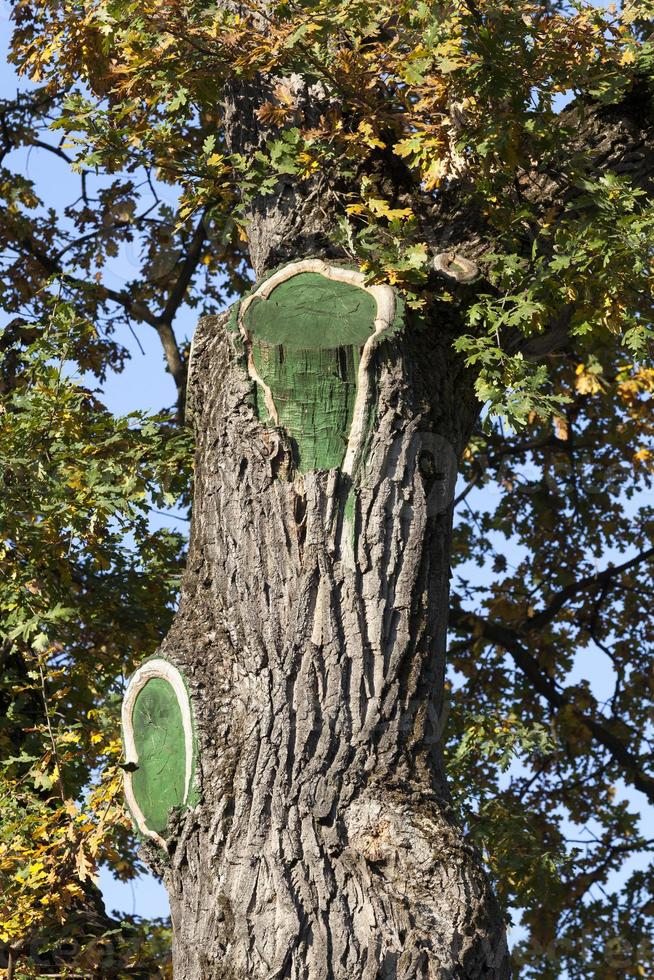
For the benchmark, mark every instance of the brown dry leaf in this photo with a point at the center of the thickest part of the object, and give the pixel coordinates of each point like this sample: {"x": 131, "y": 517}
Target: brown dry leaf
{"x": 561, "y": 428}
{"x": 84, "y": 866}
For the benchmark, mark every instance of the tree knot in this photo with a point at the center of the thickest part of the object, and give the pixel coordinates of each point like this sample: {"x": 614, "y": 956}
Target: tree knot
{"x": 455, "y": 266}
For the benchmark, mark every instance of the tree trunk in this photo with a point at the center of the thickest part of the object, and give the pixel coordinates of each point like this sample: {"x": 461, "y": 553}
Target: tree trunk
{"x": 311, "y": 628}
{"x": 311, "y": 633}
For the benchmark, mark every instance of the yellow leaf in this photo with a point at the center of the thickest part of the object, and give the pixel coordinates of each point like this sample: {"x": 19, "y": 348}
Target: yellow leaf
{"x": 434, "y": 174}
{"x": 368, "y": 136}
{"x": 83, "y": 865}
{"x": 561, "y": 428}
{"x": 382, "y": 209}
{"x": 308, "y": 162}
{"x": 588, "y": 384}
{"x": 405, "y": 147}
{"x": 284, "y": 95}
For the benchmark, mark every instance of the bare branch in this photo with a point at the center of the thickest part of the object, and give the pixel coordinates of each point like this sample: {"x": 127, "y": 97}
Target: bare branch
{"x": 133, "y": 307}
{"x": 189, "y": 266}
{"x": 50, "y": 148}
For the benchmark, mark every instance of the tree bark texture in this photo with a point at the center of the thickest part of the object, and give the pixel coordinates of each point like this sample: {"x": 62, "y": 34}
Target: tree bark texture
{"x": 311, "y": 636}
{"x": 324, "y": 845}
{"x": 311, "y": 628}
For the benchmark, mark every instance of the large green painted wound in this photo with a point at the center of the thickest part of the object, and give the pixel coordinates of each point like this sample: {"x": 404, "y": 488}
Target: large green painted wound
{"x": 306, "y": 343}
{"x": 310, "y": 311}
{"x": 159, "y": 782}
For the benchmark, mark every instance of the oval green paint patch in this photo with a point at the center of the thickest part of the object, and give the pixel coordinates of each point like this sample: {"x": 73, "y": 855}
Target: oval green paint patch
{"x": 311, "y": 312}
{"x": 159, "y": 782}
{"x": 306, "y": 342}
{"x": 310, "y": 332}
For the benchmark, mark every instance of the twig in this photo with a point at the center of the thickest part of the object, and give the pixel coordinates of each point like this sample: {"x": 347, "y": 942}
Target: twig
{"x": 50, "y": 732}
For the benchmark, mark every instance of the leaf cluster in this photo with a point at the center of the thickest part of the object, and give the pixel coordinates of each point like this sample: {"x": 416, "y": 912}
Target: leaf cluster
{"x": 551, "y": 668}
{"x": 419, "y": 100}
{"x": 88, "y": 588}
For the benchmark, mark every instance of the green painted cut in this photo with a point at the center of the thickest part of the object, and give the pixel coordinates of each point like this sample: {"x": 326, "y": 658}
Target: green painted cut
{"x": 306, "y": 343}
{"x": 159, "y": 782}
{"x": 314, "y": 393}
{"x": 311, "y": 312}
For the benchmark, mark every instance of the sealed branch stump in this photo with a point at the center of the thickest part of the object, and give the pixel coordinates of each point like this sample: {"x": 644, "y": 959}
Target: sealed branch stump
{"x": 310, "y": 330}
{"x": 159, "y": 746}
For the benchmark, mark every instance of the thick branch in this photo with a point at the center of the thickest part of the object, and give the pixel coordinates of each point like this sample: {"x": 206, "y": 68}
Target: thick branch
{"x": 615, "y": 138}
{"x": 603, "y": 139}
{"x": 507, "y": 639}
{"x": 590, "y": 582}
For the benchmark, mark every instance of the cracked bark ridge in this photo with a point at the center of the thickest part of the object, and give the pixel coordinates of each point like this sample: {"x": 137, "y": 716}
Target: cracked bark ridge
{"x": 324, "y": 845}
{"x": 295, "y": 219}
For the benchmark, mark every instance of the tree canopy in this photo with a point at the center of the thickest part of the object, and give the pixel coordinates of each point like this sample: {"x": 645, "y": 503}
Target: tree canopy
{"x": 492, "y": 159}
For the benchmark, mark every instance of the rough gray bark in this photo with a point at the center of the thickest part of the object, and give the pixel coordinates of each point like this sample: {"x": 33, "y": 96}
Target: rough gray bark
{"x": 294, "y": 221}
{"x": 324, "y": 845}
